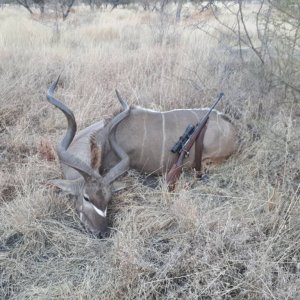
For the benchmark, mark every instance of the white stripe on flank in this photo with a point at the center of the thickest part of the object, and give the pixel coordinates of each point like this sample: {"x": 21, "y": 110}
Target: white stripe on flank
{"x": 163, "y": 141}
{"x": 100, "y": 212}
{"x": 179, "y": 109}
{"x": 144, "y": 138}
{"x": 221, "y": 129}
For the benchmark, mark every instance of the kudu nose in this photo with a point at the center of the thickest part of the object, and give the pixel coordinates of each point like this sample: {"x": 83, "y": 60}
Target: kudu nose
{"x": 105, "y": 234}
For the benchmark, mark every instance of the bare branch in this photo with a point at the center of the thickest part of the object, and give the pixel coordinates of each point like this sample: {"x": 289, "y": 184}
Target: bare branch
{"x": 247, "y": 33}
{"x": 69, "y": 6}
{"x": 25, "y": 4}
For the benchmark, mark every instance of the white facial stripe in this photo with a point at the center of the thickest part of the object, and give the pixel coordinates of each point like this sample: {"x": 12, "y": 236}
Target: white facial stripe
{"x": 100, "y": 212}
{"x": 81, "y": 216}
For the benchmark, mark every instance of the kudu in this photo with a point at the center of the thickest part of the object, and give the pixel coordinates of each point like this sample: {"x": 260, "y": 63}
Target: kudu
{"x": 138, "y": 138}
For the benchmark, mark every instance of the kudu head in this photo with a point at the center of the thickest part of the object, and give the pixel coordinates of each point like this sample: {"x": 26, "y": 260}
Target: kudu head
{"x": 91, "y": 189}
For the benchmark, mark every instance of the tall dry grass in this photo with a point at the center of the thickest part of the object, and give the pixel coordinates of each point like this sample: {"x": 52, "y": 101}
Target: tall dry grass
{"x": 233, "y": 236}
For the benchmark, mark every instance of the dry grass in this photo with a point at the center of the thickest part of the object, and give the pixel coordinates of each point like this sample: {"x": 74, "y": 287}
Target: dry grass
{"x": 234, "y": 236}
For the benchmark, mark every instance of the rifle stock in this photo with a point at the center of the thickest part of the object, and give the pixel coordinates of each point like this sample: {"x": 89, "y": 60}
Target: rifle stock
{"x": 176, "y": 170}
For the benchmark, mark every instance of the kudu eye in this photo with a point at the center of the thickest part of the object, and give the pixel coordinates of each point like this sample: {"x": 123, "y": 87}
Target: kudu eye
{"x": 86, "y": 198}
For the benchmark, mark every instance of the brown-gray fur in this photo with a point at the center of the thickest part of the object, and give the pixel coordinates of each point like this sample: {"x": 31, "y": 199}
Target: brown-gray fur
{"x": 147, "y": 137}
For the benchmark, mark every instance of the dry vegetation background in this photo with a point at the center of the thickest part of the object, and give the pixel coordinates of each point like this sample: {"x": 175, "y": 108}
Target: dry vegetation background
{"x": 233, "y": 236}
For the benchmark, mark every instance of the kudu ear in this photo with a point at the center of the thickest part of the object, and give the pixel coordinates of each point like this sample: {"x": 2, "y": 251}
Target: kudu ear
{"x": 96, "y": 154}
{"x": 73, "y": 187}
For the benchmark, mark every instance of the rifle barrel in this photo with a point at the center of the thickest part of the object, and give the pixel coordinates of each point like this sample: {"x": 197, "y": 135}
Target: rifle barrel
{"x": 217, "y": 101}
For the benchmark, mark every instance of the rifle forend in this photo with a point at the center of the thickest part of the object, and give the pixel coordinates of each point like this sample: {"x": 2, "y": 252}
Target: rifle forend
{"x": 175, "y": 171}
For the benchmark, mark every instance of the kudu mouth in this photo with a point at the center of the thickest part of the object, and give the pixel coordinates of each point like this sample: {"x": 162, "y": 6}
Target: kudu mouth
{"x": 103, "y": 231}
{"x": 104, "y": 234}
{"x": 97, "y": 227}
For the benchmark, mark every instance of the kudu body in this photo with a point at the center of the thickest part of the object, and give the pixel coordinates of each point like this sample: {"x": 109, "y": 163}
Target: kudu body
{"x": 136, "y": 138}
{"x": 148, "y": 136}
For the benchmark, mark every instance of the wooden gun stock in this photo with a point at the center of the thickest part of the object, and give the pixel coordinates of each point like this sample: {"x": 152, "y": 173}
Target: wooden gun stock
{"x": 176, "y": 170}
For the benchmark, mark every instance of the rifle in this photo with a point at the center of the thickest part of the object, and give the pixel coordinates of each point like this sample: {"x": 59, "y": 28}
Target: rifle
{"x": 184, "y": 145}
